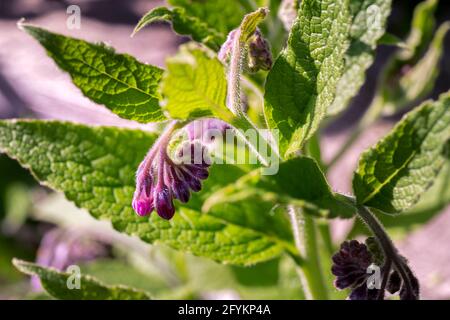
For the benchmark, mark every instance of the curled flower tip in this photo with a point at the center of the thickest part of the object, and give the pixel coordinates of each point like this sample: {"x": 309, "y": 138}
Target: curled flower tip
{"x": 161, "y": 179}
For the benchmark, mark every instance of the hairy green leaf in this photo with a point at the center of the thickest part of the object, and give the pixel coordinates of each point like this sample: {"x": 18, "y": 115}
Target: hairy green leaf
{"x": 95, "y": 168}
{"x": 302, "y": 83}
{"x": 195, "y": 85}
{"x": 415, "y": 81}
{"x": 410, "y": 74}
{"x": 422, "y": 28}
{"x": 223, "y": 15}
{"x": 56, "y": 284}
{"x": 394, "y": 174}
{"x": 431, "y": 203}
{"x": 299, "y": 181}
{"x": 118, "y": 81}
{"x": 207, "y": 22}
{"x": 368, "y": 26}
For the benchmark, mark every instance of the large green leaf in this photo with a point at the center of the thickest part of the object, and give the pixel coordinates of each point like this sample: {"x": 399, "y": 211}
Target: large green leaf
{"x": 207, "y": 22}
{"x": 368, "y": 26}
{"x": 195, "y": 85}
{"x": 394, "y": 174}
{"x": 118, "y": 81}
{"x": 223, "y": 15}
{"x": 95, "y": 168}
{"x": 431, "y": 203}
{"x": 411, "y": 72}
{"x": 56, "y": 284}
{"x": 302, "y": 83}
{"x": 422, "y": 28}
{"x": 298, "y": 181}
{"x": 416, "y": 81}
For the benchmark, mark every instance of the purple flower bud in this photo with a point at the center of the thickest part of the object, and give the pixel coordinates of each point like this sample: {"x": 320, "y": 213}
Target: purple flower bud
{"x": 259, "y": 53}
{"x": 181, "y": 190}
{"x": 163, "y": 203}
{"x": 194, "y": 183}
{"x": 198, "y": 171}
{"x": 394, "y": 282}
{"x": 143, "y": 206}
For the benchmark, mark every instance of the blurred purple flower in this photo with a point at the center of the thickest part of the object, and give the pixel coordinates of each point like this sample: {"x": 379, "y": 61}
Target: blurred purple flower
{"x": 61, "y": 248}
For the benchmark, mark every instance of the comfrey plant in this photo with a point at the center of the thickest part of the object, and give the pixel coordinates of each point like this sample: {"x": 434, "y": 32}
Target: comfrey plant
{"x": 236, "y": 174}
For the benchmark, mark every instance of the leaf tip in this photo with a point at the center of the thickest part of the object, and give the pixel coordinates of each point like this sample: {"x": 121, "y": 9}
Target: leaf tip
{"x": 21, "y": 24}
{"x": 20, "y": 265}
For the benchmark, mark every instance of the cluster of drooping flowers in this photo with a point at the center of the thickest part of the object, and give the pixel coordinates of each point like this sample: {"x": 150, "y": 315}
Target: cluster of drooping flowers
{"x": 259, "y": 55}
{"x": 161, "y": 178}
{"x": 350, "y": 266}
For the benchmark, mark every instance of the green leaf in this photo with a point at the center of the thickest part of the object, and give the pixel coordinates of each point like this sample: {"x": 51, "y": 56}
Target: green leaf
{"x": 195, "y": 85}
{"x": 431, "y": 203}
{"x": 95, "y": 168}
{"x": 409, "y": 75}
{"x": 422, "y": 28}
{"x": 250, "y": 22}
{"x": 205, "y": 21}
{"x": 394, "y": 174}
{"x": 302, "y": 83}
{"x": 299, "y": 181}
{"x": 55, "y": 283}
{"x": 390, "y": 39}
{"x": 117, "y": 81}
{"x": 368, "y": 27}
{"x": 223, "y": 15}
{"x": 417, "y": 81}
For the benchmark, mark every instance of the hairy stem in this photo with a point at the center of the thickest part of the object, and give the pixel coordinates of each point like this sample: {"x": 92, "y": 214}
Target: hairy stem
{"x": 234, "y": 102}
{"x": 386, "y": 273}
{"x": 306, "y": 240}
{"x": 324, "y": 230}
{"x": 388, "y": 247}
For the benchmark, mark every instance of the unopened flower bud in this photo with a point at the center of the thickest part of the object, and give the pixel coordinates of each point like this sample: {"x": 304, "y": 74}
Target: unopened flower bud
{"x": 259, "y": 53}
{"x": 163, "y": 203}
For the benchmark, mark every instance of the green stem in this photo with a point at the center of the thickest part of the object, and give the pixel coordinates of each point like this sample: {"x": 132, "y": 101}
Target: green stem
{"x": 313, "y": 150}
{"x": 306, "y": 240}
{"x": 324, "y": 230}
{"x": 389, "y": 249}
{"x": 372, "y": 114}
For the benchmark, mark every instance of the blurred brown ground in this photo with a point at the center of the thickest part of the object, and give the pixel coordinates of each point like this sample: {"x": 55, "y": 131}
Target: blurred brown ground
{"x": 32, "y": 86}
